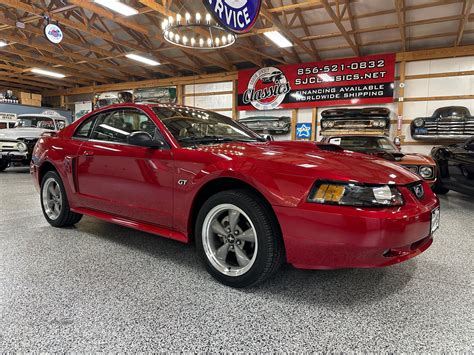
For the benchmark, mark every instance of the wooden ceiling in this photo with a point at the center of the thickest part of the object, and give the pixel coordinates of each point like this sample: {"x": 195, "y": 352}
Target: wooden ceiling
{"x": 97, "y": 39}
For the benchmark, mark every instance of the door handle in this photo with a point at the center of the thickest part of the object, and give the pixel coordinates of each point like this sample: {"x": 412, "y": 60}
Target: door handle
{"x": 88, "y": 153}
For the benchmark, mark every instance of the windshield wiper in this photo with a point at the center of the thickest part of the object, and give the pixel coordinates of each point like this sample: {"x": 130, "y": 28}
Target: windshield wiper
{"x": 212, "y": 139}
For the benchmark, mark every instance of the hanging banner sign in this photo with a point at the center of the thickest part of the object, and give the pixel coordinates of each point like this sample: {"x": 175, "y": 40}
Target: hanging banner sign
{"x": 349, "y": 81}
{"x": 53, "y": 33}
{"x": 237, "y": 16}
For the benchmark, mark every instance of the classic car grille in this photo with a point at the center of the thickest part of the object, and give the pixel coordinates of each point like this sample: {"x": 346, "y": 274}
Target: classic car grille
{"x": 8, "y": 147}
{"x": 450, "y": 127}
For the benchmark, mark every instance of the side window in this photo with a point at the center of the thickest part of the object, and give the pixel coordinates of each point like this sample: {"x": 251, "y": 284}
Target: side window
{"x": 116, "y": 126}
{"x": 85, "y": 128}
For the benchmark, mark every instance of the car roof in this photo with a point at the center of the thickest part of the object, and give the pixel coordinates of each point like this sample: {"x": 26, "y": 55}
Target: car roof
{"x": 57, "y": 117}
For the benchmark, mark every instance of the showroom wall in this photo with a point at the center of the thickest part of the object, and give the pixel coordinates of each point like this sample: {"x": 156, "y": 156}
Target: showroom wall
{"x": 429, "y": 84}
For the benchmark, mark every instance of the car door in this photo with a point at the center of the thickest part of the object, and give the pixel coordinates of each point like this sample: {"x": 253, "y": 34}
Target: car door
{"x": 461, "y": 166}
{"x": 122, "y": 179}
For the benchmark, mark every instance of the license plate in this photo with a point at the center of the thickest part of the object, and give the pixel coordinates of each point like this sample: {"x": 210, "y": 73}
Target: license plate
{"x": 421, "y": 130}
{"x": 435, "y": 220}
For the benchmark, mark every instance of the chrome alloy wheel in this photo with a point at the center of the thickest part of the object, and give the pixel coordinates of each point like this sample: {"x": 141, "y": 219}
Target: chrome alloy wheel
{"x": 229, "y": 239}
{"x": 52, "y": 198}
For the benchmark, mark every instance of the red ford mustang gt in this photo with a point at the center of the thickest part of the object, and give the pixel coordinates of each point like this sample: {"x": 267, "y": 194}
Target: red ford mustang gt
{"x": 249, "y": 204}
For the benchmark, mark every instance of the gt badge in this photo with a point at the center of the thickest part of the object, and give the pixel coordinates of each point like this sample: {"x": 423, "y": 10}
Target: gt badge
{"x": 182, "y": 182}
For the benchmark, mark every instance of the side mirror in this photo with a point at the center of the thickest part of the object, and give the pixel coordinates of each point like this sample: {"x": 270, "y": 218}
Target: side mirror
{"x": 143, "y": 139}
{"x": 268, "y": 137}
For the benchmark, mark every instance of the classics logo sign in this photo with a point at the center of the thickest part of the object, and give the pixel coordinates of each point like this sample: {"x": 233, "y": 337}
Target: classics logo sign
{"x": 53, "y": 33}
{"x": 235, "y": 15}
{"x": 347, "y": 81}
{"x": 267, "y": 89}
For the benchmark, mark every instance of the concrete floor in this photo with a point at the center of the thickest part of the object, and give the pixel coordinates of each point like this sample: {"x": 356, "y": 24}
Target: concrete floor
{"x": 101, "y": 287}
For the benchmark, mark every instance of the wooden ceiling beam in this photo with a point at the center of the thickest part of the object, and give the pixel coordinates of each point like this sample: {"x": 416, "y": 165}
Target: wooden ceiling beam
{"x": 45, "y": 62}
{"x": 340, "y": 26}
{"x": 138, "y": 28}
{"x": 462, "y": 23}
{"x": 79, "y": 65}
{"x": 285, "y": 31}
{"x": 23, "y": 81}
{"x": 80, "y": 27}
{"x": 399, "y": 5}
{"x": 11, "y": 85}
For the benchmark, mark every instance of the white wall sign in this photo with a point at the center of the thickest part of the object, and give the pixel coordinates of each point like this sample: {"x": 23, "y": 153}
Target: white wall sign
{"x": 6, "y": 116}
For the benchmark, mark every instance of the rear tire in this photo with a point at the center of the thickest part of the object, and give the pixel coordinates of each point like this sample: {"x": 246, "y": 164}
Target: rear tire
{"x": 238, "y": 238}
{"x": 54, "y": 202}
{"x": 3, "y": 164}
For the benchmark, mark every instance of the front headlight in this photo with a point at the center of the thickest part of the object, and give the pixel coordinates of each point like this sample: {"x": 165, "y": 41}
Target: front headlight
{"x": 351, "y": 194}
{"x": 22, "y": 147}
{"x": 330, "y": 124}
{"x": 324, "y": 124}
{"x": 382, "y": 124}
{"x": 375, "y": 123}
{"x": 426, "y": 172}
{"x": 419, "y": 122}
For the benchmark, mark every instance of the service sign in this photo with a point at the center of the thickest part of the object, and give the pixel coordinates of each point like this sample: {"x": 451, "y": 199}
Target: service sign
{"x": 237, "y": 16}
{"x": 349, "y": 81}
{"x": 53, "y": 33}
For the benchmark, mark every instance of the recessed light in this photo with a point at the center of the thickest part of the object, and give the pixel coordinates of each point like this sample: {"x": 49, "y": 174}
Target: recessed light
{"x": 118, "y": 6}
{"x": 141, "y": 59}
{"x": 3, "y": 43}
{"x": 277, "y": 38}
{"x": 48, "y": 73}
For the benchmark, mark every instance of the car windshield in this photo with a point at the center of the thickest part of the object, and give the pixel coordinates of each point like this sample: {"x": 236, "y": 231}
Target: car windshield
{"x": 40, "y": 122}
{"x": 194, "y": 126}
{"x": 365, "y": 143}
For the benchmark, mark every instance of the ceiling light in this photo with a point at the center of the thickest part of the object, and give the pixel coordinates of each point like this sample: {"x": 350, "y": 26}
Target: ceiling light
{"x": 118, "y": 6}
{"x": 277, "y": 38}
{"x": 48, "y": 73}
{"x": 141, "y": 59}
{"x": 3, "y": 43}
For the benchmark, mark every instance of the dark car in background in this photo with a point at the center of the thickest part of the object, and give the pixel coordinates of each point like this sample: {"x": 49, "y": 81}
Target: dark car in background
{"x": 382, "y": 147}
{"x": 268, "y": 124}
{"x": 365, "y": 119}
{"x": 456, "y": 167}
{"x": 450, "y": 122}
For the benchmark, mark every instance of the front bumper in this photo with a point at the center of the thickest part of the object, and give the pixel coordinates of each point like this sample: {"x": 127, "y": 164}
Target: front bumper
{"x": 331, "y": 237}
{"x": 435, "y": 137}
{"x": 16, "y": 157}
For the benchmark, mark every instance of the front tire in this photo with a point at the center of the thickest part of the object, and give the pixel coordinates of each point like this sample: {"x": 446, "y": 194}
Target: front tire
{"x": 439, "y": 189}
{"x": 54, "y": 202}
{"x": 238, "y": 238}
{"x": 3, "y": 164}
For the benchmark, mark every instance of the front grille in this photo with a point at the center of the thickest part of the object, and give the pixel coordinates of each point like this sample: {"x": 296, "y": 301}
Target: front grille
{"x": 8, "y": 147}
{"x": 450, "y": 127}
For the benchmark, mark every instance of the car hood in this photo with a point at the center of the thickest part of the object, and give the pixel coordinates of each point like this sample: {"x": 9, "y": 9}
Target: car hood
{"x": 16, "y": 133}
{"x": 416, "y": 159}
{"x": 315, "y": 160}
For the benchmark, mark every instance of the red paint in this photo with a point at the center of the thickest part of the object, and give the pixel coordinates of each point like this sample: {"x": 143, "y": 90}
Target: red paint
{"x": 352, "y": 71}
{"x": 138, "y": 187}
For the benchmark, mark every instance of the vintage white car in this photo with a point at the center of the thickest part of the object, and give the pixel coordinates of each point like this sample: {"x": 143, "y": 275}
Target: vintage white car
{"x": 16, "y": 144}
